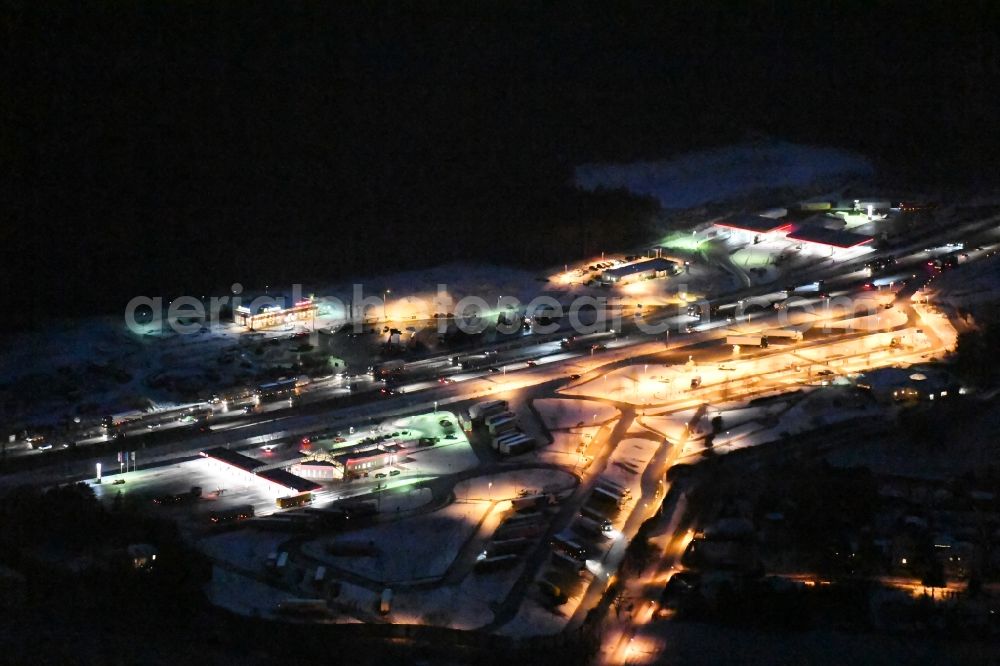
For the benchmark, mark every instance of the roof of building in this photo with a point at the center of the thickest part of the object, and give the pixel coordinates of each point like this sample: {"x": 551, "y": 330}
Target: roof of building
{"x": 830, "y": 237}
{"x": 755, "y": 223}
{"x": 315, "y": 463}
{"x": 363, "y": 453}
{"x": 654, "y": 264}
{"x": 927, "y": 379}
{"x": 289, "y": 480}
{"x": 248, "y": 464}
{"x": 230, "y": 457}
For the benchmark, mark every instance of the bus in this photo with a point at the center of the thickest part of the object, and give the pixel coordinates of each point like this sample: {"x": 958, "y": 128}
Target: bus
{"x": 293, "y": 501}
{"x": 481, "y": 410}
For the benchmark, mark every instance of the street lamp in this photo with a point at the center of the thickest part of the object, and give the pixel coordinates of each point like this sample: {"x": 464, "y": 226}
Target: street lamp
{"x": 491, "y": 490}
{"x": 385, "y": 298}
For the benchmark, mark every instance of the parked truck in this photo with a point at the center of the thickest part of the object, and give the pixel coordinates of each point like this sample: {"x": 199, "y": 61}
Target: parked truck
{"x": 567, "y": 562}
{"x": 531, "y": 502}
{"x": 786, "y": 334}
{"x": 388, "y": 370}
{"x": 527, "y": 517}
{"x": 518, "y": 446}
{"x": 506, "y": 436}
{"x": 593, "y": 528}
{"x": 747, "y": 340}
{"x": 604, "y": 496}
{"x": 231, "y": 515}
{"x": 507, "y": 546}
{"x": 495, "y": 563}
{"x": 520, "y": 531}
{"x": 587, "y": 341}
{"x": 481, "y": 410}
{"x": 610, "y": 484}
{"x": 475, "y": 361}
{"x": 599, "y": 511}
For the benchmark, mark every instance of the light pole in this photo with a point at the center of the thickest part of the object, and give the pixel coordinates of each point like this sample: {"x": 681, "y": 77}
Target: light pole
{"x": 385, "y": 298}
{"x": 491, "y": 490}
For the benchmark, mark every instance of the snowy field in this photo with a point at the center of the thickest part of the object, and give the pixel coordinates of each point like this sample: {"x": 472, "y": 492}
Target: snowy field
{"x": 719, "y": 174}
{"x": 243, "y": 549}
{"x": 508, "y": 485}
{"x": 628, "y": 462}
{"x": 417, "y": 548}
{"x": 534, "y": 620}
{"x": 569, "y": 447}
{"x": 560, "y": 414}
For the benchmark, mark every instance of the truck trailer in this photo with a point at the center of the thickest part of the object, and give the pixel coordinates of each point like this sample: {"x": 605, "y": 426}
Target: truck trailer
{"x": 503, "y": 425}
{"x": 521, "y": 445}
{"x": 481, "y": 410}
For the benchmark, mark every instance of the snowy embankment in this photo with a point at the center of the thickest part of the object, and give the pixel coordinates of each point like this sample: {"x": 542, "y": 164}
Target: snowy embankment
{"x": 725, "y": 173}
{"x": 95, "y": 366}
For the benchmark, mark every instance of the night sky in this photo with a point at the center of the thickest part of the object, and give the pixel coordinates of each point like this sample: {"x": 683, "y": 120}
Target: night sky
{"x": 166, "y": 148}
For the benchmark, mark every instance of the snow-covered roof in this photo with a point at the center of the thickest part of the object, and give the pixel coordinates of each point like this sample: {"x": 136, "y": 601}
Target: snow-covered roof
{"x": 830, "y": 237}
{"x": 657, "y": 263}
{"x": 754, "y": 223}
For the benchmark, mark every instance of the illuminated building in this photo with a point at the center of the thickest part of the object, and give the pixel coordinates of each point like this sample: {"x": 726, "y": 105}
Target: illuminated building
{"x": 271, "y": 316}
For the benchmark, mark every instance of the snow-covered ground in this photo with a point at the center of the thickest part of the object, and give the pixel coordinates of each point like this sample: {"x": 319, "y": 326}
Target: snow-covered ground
{"x": 420, "y": 547}
{"x": 725, "y": 173}
{"x": 243, "y": 549}
{"x": 569, "y": 447}
{"x": 557, "y": 413}
{"x": 508, "y": 485}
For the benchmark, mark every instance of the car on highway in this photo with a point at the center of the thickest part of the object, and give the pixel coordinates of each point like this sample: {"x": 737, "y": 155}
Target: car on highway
{"x": 531, "y": 364}
{"x": 380, "y": 475}
{"x": 574, "y": 376}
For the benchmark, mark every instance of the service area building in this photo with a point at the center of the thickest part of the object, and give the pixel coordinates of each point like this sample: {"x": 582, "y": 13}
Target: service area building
{"x": 251, "y": 471}
{"x": 644, "y": 269}
{"x": 270, "y": 316}
{"x": 748, "y": 228}
{"x": 362, "y": 461}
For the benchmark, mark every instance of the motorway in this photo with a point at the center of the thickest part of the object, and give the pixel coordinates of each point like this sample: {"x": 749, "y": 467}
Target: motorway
{"x": 539, "y": 368}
